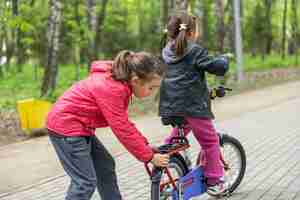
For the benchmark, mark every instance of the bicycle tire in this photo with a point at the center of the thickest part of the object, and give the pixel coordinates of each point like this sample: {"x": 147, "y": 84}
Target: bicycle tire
{"x": 176, "y": 161}
{"x": 229, "y": 140}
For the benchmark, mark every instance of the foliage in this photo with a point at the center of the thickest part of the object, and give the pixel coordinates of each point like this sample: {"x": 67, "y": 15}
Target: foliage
{"x": 18, "y": 86}
{"x": 129, "y": 24}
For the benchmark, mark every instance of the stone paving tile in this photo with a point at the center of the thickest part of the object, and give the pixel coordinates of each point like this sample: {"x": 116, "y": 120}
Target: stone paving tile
{"x": 271, "y": 138}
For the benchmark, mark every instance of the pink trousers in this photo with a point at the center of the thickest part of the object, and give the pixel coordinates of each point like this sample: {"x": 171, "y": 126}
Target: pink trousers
{"x": 205, "y": 133}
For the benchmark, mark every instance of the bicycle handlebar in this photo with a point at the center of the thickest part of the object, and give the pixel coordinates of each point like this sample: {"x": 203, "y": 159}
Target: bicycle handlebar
{"x": 219, "y": 92}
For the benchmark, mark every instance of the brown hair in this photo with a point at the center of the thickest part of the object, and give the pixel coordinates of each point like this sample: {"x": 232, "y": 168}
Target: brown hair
{"x": 144, "y": 65}
{"x": 178, "y": 28}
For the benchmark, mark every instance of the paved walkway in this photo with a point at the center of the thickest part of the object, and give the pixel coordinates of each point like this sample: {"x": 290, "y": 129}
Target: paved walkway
{"x": 269, "y": 131}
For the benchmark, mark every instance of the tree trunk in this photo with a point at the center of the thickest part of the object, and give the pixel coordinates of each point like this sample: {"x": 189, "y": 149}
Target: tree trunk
{"x": 80, "y": 51}
{"x": 164, "y": 12}
{"x": 268, "y": 36}
{"x": 1, "y": 71}
{"x": 181, "y": 5}
{"x": 17, "y": 37}
{"x": 140, "y": 15}
{"x": 284, "y": 30}
{"x": 77, "y": 48}
{"x": 199, "y": 11}
{"x": 295, "y": 28}
{"x": 8, "y": 36}
{"x": 32, "y": 3}
{"x": 92, "y": 24}
{"x": 9, "y": 47}
{"x": 1, "y": 56}
{"x": 54, "y": 24}
{"x": 171, "y": 7}
{"x": 238, "y": 40}
{"x": 204, "y": 23}
{"x": 219, "y": 11}
{"x": 100, "y": 21}
{"x": 7, "y": 39}
{"x": 95, "y": 22}
{"x": 230, "y": 25}
{"x": 125, "y": 28}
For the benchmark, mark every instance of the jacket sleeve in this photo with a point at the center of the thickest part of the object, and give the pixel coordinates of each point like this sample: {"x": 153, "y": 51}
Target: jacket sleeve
{"x": 215, "y": 65}
{"x": 114, "y": 109}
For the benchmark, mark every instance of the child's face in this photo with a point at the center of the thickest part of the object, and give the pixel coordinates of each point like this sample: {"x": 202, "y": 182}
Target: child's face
{"x": 194, "y": 35}
{"x": 143, "y": 89}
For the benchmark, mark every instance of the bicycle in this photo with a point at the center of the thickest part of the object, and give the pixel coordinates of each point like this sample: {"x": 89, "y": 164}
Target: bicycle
{"x": 179, "y": 181}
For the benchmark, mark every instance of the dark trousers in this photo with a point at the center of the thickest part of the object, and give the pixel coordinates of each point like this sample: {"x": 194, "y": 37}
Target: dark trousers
{"x": 89, "y": 165}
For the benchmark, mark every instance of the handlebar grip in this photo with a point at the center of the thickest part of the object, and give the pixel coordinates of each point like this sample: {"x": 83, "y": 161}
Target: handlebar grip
{"x": 219, "y": 92}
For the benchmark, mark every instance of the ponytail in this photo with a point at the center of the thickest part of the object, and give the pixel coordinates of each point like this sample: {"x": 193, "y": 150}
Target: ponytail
{"x": 120, "y": 68}
{"x": 164, "y": 38}
{"x": 180, "y": 43}
{"x": 142, "y": 64}
{"x": 178, "y": 28}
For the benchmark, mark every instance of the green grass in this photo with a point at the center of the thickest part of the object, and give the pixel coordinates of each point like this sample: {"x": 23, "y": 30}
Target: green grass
{"x": 18, "y": 86}
{"x": 270, "y": 62}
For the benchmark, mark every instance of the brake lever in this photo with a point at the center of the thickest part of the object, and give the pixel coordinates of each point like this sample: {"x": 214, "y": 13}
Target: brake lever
{"x": 228, "y": 89}
{"x": 219, "y": 92}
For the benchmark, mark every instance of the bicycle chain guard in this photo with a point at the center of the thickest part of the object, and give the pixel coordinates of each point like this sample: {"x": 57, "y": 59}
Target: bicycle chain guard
{"x": 190, "y": 185}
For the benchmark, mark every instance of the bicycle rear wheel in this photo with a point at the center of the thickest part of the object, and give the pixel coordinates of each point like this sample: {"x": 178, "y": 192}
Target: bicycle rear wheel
{"x": 235, "y": 161}
{"x": 161, "y": 187}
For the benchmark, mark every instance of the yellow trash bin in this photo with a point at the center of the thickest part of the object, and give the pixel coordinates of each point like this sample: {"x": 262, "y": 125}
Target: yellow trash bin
{"x": 33, "y": 113}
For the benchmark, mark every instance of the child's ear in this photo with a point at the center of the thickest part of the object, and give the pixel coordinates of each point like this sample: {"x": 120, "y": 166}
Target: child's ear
{"x": 193, "y": 35}
{"x": 134, "y": 80}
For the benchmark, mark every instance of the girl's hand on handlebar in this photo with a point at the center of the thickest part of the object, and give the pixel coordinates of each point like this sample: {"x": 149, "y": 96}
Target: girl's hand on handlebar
{"x": 160, "y": 160}
{"x": 219, "y": 92}
{"x": 154, "y": 149}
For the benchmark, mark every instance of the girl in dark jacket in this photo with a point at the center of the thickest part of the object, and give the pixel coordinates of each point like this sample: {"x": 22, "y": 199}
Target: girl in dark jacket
{"x": 184, "y": 92}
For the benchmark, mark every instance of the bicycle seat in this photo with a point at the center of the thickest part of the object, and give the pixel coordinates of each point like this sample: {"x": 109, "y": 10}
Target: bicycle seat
{"x": 175, "y": 121}
{"x": 174, "y": 147}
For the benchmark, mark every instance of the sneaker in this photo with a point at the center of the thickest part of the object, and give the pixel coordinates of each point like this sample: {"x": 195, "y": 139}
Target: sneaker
{"x": 217, "y": 190}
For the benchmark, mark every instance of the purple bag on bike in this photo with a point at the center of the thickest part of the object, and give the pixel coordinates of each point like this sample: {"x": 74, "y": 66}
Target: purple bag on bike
{"x": 191, "y": 185}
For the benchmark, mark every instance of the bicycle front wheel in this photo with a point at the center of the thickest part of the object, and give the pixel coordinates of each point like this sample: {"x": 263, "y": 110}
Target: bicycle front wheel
{"x": 162, "y": 187}
{"x": 234, "y": 156}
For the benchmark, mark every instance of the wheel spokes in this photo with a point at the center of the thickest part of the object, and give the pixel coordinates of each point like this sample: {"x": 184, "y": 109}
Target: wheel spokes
{"x": 232, "y": 164}
{"x": 166, "y": 185}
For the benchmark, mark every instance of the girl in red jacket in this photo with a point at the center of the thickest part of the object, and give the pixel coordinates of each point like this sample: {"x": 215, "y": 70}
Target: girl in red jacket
{"x": 101, "y": 100}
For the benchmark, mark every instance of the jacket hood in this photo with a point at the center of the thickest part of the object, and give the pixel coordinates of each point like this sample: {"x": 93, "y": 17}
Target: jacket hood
{"x": 169, "y": 54}
{"x": 101, "y": 66}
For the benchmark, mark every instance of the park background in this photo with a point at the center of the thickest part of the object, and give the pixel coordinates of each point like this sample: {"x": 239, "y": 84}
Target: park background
{"x": 47, "y": 45}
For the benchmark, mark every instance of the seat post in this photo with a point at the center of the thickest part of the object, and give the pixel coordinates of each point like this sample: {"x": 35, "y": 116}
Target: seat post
{"x": 180, "y": 131}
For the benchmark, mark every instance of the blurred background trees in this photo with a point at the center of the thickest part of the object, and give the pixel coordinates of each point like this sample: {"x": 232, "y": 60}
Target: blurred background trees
{"x": 48, "y": 35}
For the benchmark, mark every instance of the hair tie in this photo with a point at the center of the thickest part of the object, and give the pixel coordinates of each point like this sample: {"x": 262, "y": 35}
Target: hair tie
{"x": 182, "y": 27}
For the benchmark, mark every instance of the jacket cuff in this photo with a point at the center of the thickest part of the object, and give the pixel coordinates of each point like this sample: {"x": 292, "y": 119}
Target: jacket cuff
{"x": 149, "y": 160}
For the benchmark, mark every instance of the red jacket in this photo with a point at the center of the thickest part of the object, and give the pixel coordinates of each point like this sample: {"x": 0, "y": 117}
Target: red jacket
{"x": 98, "y": 101}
